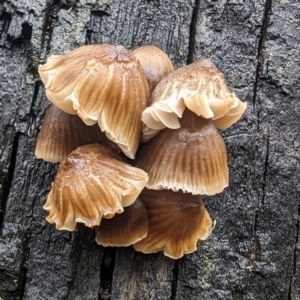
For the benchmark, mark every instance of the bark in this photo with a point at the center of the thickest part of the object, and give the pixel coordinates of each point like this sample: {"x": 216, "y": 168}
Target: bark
{"x": 253, "y": 252}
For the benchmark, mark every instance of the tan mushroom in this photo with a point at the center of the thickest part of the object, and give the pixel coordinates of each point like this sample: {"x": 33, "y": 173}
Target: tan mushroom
{"x": 91, "y": 183}
{"x": 200, "y": 87}
{"x": 155, "y": 62}
{"x": 192, "y": 158}
{"x": 61, "y": 133}
{"x": 101, "y": 83}
{"x": 176, "y": 222}
{"x": 124, "y": 229}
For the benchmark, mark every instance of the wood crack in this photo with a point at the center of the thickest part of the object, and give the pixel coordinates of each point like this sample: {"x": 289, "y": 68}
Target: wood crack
{"x": 175, "y": 280}
{"x": 32, "y": 114}
{"x": 52, "y": 10}
{"x": 256, "y": 245}
{"x": 106, "y": 273}
{"x": 291, "y": 295}
{"x": 266, "y": 165}
{"x": 23, "y": 281}
{"x": 95, "y": 18}
{"x": 7, "y": 180}
{"x": 261, "y": 47}
{"x": 5, "y": 19}
{"x": 193, "y": 31}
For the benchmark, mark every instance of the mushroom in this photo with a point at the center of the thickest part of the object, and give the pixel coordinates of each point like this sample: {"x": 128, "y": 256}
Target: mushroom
{"x": 201, "y": 88}
{"x": 62, "y": 133}
{"x": 176, "y": 222}
{"x": 191, "y": 158}
{"x": 91, "y": 183}
{"x": 155, "y": 62}
{"x": 124, "y": 229}
{"x": 101, "y": 83}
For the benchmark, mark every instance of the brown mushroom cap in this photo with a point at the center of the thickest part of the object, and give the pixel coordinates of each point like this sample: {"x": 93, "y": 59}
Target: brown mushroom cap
{"x": 192, "y": 158}
{"x": 124, "y": 229}
{"x": 155, "y": 62}
{"x": 199, "y": 86}
{"x": 62, "y": 133}
{"x": 101, "y": 83}
{"x": 176, "y": 222}
{"x": 91, "y": 183}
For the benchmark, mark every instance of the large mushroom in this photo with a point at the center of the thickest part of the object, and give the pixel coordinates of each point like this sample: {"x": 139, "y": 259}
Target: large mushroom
{"x": 101, "y": 83}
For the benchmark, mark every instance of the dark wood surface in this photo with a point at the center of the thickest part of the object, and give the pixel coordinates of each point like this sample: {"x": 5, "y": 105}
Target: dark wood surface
{"x": 253, "y": 252}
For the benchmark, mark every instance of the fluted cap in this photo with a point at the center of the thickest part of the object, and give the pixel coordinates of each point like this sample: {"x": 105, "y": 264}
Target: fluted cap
{"x": 101, "y": 83}
{"x": 176, "y": 222}
{"x": 191, "y": 158}
{"x": 201, "y": 88}
{"x": 91, "y": 183}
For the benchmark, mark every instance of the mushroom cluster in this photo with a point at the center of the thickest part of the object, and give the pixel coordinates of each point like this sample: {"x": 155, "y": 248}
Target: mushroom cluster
{"x": 152, "y": 201}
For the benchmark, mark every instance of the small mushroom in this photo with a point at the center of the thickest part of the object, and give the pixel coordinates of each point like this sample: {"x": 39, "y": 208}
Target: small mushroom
{"x": 101, "y": 83}
{"x": 176, "y": 222}
{"x": 124, "y": 229}
{"x": 200, "y": 87}
{"x": 155, "y": 62}
{"x": 191, "y": 158}
{"x": 61, "y": 133}
{"x": 91, "y": 183}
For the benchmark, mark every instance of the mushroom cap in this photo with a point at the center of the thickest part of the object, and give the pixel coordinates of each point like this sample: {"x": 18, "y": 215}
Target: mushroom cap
{"x": 191, "y": 158}
{"x": 91, "y": 183}
{"x": 199, "y": 86}
{"x": 124, "y": 229}
{"x": 155, "y": 63}
{"x": 62, "y": 133}
{"x": 176, "y": 222}
{"x": 231, "y": 117}
{"x": 101, "y": 83}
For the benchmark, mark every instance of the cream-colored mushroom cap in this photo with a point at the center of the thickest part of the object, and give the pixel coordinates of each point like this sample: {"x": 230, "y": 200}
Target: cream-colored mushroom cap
{"x": 101, "y": 83}
{"x": 200, "y": 87}
{"x": 176, "y": 222}
{"x": 61, "y": 133}
{"x": 91, "y": 183}
{"x": 124, "y": 229}
{"x": 155, "y": 63}
{"x": 191, "y": 158}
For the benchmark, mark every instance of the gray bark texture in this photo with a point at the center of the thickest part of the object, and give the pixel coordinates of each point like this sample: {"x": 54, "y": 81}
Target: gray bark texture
{"x": 253, "y": 252}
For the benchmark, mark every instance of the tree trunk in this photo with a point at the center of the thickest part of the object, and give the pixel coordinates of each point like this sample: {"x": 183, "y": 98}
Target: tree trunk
{"x": 253, "y": 251}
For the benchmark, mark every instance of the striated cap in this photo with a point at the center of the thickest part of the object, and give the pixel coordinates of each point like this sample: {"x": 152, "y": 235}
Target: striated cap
{"x": 61, "y": 133}
{"x": 191, "y": 158}
{"x": 124, "y": 229}
{"x": 155, "y": 62}
{"x": 91, "y": 183}
{"x": 200, "y": 87}
{"x": 101, "y": 83}
{"x": 176, "y": 222}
